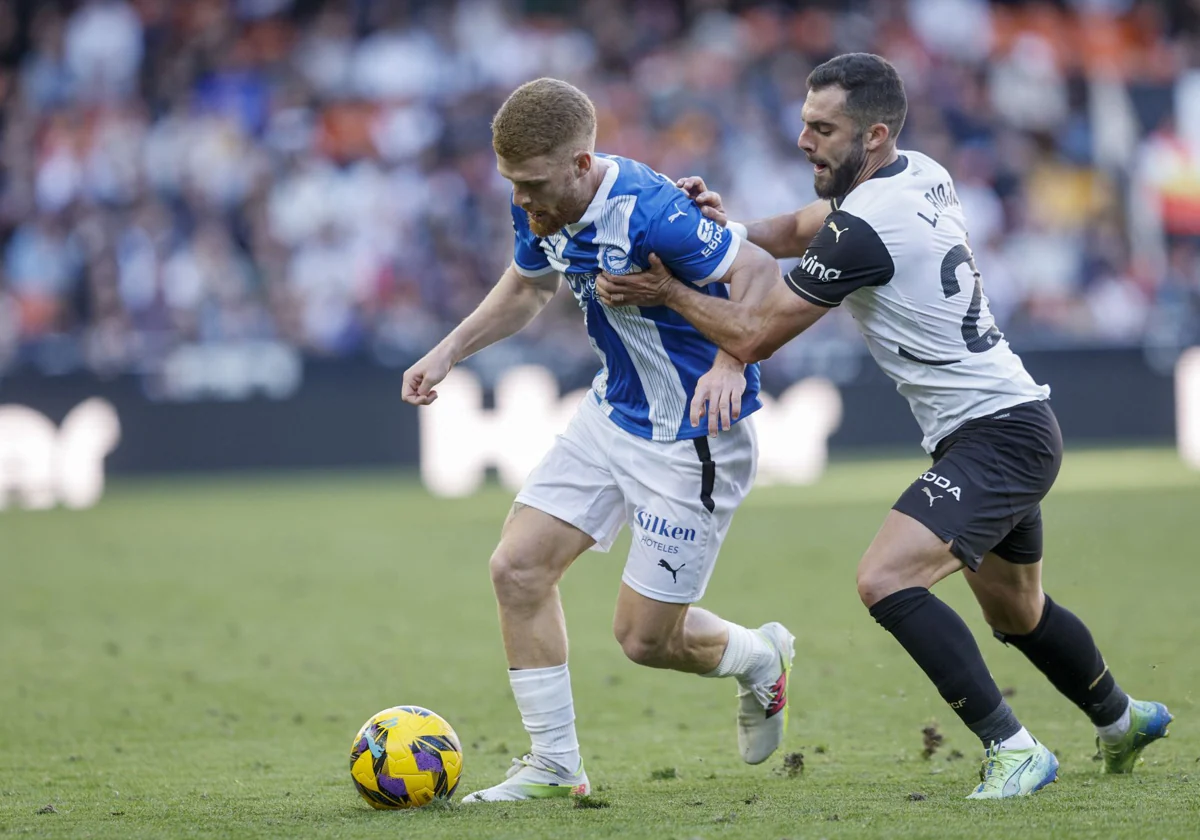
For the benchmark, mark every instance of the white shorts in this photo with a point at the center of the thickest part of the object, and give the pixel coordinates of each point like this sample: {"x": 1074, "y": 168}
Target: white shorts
{"x": 678, "y": 497}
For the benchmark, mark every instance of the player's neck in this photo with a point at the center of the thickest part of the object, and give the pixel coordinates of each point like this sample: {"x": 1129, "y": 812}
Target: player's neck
{"x": 873, "y": 164}
{"x": 595, "y": 178}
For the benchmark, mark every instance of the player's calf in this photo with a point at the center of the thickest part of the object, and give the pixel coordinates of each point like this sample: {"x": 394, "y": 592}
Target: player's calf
{"x": 1061, "y": 647}
{"x": 676, "y": 636}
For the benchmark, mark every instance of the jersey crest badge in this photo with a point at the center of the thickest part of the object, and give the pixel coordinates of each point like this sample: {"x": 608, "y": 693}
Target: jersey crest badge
{"x": 614, "y": 260}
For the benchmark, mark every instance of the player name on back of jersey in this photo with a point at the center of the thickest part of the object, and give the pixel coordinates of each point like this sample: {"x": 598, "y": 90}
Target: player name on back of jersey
{"x": 940, "y": 198}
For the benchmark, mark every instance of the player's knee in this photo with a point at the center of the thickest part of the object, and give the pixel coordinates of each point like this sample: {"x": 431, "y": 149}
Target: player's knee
{"x": 1010, "y": 623}
{"x": 1013, "y": 612}
{"x": 874, "y": 583}
{"x": 644, "y": 650}
{"x": 648, "y": 652}
{"x": 516, "y": 579}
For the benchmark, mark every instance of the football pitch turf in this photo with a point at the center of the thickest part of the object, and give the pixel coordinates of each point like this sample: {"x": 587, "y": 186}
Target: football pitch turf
{"x": 193, "y": 657}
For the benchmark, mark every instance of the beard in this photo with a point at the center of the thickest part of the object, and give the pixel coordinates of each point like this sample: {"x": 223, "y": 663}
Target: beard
{"x": 545, "y": 223}
{"x": 839, "y": 179}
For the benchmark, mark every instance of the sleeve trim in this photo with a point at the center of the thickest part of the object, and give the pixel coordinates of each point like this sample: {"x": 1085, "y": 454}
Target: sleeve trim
{"x": 735, "y": 245}
{"x": 533, "y": 272}
{"x": 809, "y": 296}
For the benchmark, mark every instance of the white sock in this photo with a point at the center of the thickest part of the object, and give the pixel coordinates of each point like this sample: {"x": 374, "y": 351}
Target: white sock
{"x": 1116, "y": 730}
{"x": 548, "y": 713}
{"x": 748, "y": 656}
{"x": 1021, "y": 741}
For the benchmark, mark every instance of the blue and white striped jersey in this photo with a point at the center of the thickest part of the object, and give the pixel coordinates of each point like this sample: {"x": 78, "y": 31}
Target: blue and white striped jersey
{"x": 651, "y": 357}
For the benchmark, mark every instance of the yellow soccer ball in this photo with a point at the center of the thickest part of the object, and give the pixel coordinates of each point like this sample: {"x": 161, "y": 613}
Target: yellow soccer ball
{"x": 405, "y": 757}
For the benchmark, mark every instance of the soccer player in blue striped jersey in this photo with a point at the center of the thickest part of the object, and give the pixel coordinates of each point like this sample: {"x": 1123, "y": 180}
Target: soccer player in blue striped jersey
{"x": 636, "y": 452}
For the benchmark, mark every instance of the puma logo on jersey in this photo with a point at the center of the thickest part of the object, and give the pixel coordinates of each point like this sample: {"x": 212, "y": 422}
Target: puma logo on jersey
{"x": 671, "y": 219}
{"x": 818, "y": 269}
{"x": 837, "y": 234}
{"x": 932, "y": 498}
{"x": 941, "y": 483}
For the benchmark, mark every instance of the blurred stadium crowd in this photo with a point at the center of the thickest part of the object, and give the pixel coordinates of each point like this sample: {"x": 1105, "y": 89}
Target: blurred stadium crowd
{"x": 320, "y": 173}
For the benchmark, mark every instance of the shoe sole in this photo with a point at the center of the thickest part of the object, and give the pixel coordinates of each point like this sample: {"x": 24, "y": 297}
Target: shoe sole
{"x": 533, "y": 793}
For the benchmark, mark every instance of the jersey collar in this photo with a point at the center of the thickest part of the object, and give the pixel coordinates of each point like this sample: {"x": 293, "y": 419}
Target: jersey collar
{"x": 894, "y": 168}
{"x": 593, "y": 210}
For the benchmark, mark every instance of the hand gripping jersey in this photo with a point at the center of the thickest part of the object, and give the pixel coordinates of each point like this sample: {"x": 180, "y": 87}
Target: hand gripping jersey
{"x": 651, "y": 357}
{"x": 895, "y": 250}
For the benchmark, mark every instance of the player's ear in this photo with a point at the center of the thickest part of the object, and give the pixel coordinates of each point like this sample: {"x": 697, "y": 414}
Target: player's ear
{"x": 583, "y": 163}
{"x": 877, "y": 135}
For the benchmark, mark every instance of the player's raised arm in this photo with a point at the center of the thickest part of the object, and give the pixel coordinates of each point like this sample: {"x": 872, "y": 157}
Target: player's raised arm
{"x": 509, "y": 306}
{"x": 782, "y": 236}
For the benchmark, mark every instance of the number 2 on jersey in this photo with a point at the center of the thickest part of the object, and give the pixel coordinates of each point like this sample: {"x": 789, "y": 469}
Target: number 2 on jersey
{"x": 976, "y": 342}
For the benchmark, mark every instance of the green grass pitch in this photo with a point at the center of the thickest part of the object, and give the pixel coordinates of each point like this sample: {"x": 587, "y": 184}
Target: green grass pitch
{"x": 192, "y": 659}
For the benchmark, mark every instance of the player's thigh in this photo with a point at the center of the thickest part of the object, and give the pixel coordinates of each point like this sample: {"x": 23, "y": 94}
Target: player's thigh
{"x": 574, "y": 481}
{"x": 905, "y": 553}
{"x": 680, "y": 499}
{"x": 535, "y": 549}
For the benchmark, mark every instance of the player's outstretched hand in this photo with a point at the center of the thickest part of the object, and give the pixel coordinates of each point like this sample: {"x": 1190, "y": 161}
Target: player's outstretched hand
{"x": 708, "y": 201}
{"x": 420, "y": 379}
{"x": 645, "y": 288}
{"x": 719, "y": 394}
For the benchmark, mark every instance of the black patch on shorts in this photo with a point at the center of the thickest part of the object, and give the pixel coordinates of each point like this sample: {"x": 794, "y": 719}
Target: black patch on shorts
{"x": 984, "y": 490}
{"x": 708, "y": 473}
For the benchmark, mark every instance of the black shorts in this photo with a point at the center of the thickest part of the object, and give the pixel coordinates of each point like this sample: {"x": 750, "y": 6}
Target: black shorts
{"x": 984, "y": 490}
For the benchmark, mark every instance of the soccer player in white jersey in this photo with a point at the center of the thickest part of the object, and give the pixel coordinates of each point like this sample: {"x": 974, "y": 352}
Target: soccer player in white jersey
{"x": 888, "y": 240}
{"x": 635, "y": 452}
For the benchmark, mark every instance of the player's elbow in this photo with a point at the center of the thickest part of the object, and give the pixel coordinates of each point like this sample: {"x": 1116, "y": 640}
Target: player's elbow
{"x": 756, "y": 350}
{"x": 742, "y": 346}
{"x": 751, "y": 341}
{"x": 755, "y": 346}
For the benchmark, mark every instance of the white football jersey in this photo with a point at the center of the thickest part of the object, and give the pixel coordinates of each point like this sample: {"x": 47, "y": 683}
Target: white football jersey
{"x": 895, "y": 250}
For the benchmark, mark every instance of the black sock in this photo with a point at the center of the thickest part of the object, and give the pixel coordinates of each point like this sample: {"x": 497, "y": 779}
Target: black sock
{"x": 1062, "y": 648}
{"x": 942, "y": 644}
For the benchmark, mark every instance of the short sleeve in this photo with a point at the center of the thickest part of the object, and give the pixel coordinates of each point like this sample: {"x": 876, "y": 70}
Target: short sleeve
{"x": 695, "y": 248}
{"x": 846, "y": 255}
{"x": 528, "y": 256}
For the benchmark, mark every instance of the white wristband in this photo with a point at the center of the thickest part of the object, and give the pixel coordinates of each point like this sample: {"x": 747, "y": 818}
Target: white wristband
{"x": 738, "y": 229}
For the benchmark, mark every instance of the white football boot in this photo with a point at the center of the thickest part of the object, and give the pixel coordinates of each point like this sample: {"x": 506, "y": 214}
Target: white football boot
{"x": 763, "y": 707}
{"x": 532, "y": 778}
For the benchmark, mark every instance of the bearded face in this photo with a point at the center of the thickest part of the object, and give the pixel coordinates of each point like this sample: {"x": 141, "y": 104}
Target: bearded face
{"x": 833, "y": 141}
{"x": 833, "y": 177}
{"x": 550, "y": 189}
{"x": 545, "y": 223}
